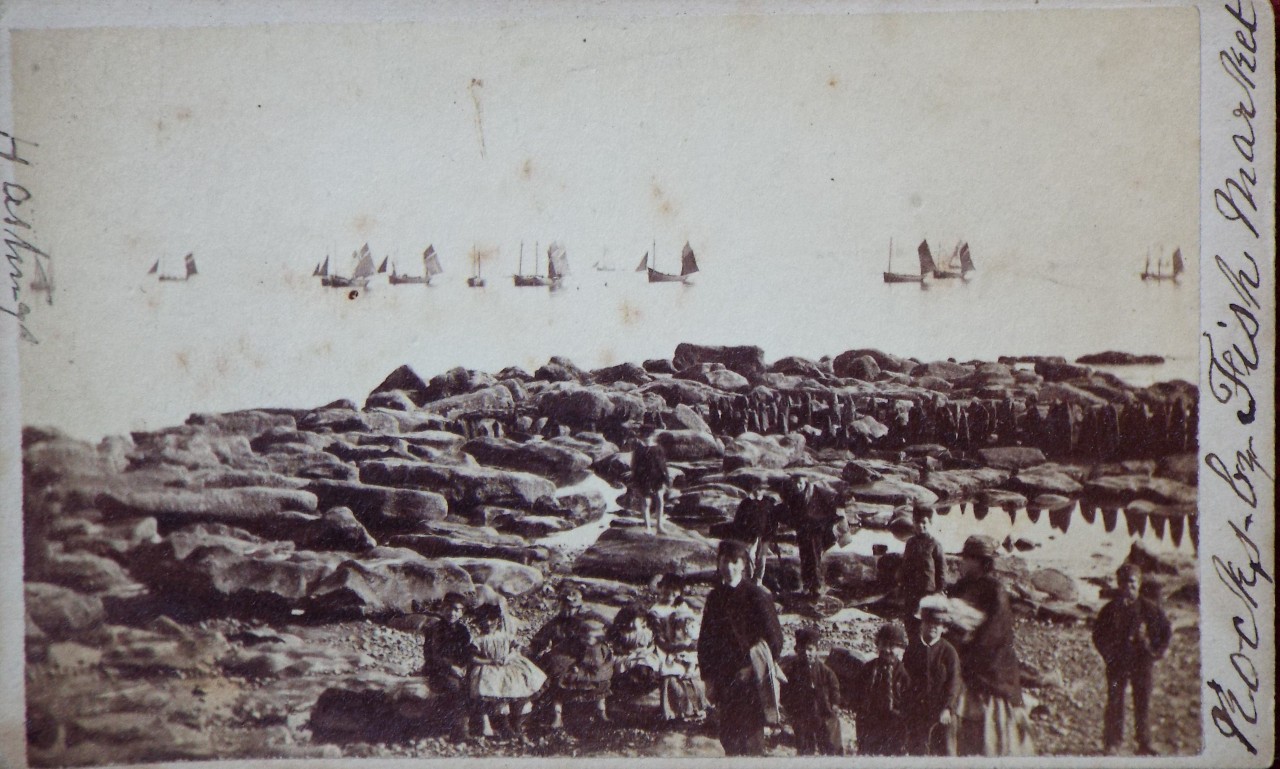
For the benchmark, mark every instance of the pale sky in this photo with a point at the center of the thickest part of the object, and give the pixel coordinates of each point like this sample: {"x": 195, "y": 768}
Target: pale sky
{"x": 1064, "y": 142}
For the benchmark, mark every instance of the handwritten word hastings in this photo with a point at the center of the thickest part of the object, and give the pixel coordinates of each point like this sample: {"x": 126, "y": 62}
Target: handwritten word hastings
{"x": 17, "y": 246}
{"x": 1233, "y": 357}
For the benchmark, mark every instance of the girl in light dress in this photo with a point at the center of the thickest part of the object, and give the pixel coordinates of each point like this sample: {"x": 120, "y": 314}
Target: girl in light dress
{"x": 501, "y": 680}
{"x": 683, "y": 694}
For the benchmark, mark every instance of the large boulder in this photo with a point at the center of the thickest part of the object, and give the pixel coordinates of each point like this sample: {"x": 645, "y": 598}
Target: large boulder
{"x": 799, "y": 367}
{"x": 1011, "y": 457}
{"x": 454, "y": 382}
{"x": 746, "y": 360}
{"x": 689, "y": 445}
{"x": 893, "y": 491}
{"x": 493, "y": 547}
{"x": 60, "y": 612}
{"x": 559, "y": 369}
{"x": 631, "y": 554}
{"x": 770, "y": 451}
{"x": 404, "y": 380}
{"x": 248, "y": 423}
{"x": 1128, "y": 488}
{"x": 538, "y": 457}
{"x": 1055, "y": 584}
{"x": 377, "y": 708}
{"x": 1060, "y": 371}
{"x": 1042, "y": 480}
{"x": 272, "y": 511}
{"x": 960, "y": 484}
{"x": 715, "y": 375}
{"x": 589, "y": 407}
{"x": 677, "y": 391}
{"x": 217, "y": 569}
{"x": 385, "y": 581}
{"x": 510, "y": 579}
{"x": 463, "y": 486}
{"x": 942, "y": 369}
{"x": 382, "y": 510}
{"x": 841, "y": 365}
{"x": 192, "y": 447}
{"x": 623, "y": 372}
{"x": 338, "y": 529}
{"x": 495, "y": 398}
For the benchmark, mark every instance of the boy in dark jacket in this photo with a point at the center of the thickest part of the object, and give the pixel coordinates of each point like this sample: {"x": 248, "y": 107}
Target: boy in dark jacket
{"x": 809, "y": 698}
{"x": 1131, "y": 633}
{"x": 933, "y": 665}
{"x": 447, "y": 653}
{"x": 884, "y": 689}
{"x": 923, "y": 569}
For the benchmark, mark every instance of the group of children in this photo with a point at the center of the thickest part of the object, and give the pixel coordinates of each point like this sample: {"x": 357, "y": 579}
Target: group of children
{"x": 577, "y": 656}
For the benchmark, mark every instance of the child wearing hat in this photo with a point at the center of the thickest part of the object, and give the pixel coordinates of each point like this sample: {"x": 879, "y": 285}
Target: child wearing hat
{"x": 933, "y": 700}
{"x": 447, "y": 653}
{"x": 810, "y": 696}
{"x": 588, "y": 676}
{"x": 885, "y": 684}
{"x": 1131, "y": 633}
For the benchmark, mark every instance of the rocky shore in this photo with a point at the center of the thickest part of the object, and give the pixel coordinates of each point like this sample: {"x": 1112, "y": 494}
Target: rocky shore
{"x": 251, "y": 584}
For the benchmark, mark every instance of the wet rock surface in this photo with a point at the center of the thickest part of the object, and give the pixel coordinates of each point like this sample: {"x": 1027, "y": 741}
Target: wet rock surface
{"x": 251, "y": 584}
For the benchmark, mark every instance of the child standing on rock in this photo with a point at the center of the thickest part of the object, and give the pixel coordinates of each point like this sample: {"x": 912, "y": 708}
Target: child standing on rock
{"x": 933, "y": 704}
{"x": 501, "y": 680}
{"x": 884, "y": 690}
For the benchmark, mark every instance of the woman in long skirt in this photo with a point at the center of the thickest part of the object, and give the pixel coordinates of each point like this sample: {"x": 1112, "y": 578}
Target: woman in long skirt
{"x": 993, "y": 720}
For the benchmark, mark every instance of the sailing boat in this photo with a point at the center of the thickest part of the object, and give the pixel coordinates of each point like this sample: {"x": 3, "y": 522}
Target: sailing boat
{"x": 605, "y": 264}
{"x": 359, "y": 277}
{"x": 906, "y": 277}
{"x": 475, "y": 281}
{"x": 557, "y": 263}
{"x": 960, "y": 254}
{"x": 522, "y": 280}
{"x": 189, "y": 266}
{"x": 430, "y": 268}
{"x": 1178, "y": 268}
{"x": 688, "y": 266}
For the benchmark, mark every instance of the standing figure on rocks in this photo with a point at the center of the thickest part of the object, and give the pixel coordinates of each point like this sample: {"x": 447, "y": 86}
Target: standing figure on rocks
{"x": 649, "y": 478}
{"x": 810, "y": 697}
{"x": 1131, "y": 633}
{"x": 447, "y": 653}
{"x": 754, "y": 524}
{"x": 933, "y": 701}
{"x": 923, "y": 568}
{"x": 882, "y": 696}
{"x": 993, "y": 721}
{"x": 813, "y": 512}
{"x": 737, "y": 646}
{"x": 502, "y": 680}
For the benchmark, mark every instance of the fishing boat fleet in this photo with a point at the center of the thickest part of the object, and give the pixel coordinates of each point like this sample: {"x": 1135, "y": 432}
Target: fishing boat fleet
{"x": 549, "y": 272}
{"x": 958, "y": 265}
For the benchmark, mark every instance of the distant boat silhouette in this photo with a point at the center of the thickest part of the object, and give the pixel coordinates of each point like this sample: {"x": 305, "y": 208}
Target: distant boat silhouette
{"x": 688, "y": 266}
{"x": 524, "y": 281}
{"x": 476, "y": 280}
{"x": 1159, "y": 274}
{"x": 189, "y": 269}
{"x": 959, "y": 264}
{"x": 430, "y": 268}
{"x": 359, "y": 276}
{"x": 557, "y": 263}
{"x": 906, "y": 277}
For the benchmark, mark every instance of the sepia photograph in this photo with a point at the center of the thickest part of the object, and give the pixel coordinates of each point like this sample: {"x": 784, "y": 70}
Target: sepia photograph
{"x": 565, "y": 381}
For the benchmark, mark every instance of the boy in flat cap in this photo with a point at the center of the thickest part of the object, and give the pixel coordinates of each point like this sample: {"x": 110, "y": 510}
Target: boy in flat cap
{"x": 1131, "y": 633}
{"x": 933, "y": 700}
{"x": 810, "y": 697}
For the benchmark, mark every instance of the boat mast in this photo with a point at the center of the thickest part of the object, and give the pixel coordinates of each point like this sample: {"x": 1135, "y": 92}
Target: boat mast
{"x": 890, "y": 267}
{"x": 521, "y": 271}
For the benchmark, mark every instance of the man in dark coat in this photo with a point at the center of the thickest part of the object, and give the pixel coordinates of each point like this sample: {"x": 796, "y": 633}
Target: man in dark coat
{"x": 649, "y": 478}
{"x": 933, "y": 699}
{"x": 1130, "y": 633}
{"x": 739, "y": 615}
{"x": 810, "y": 697}
{"x": 813, "y": 512}
{"x": 447, "y": 652}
